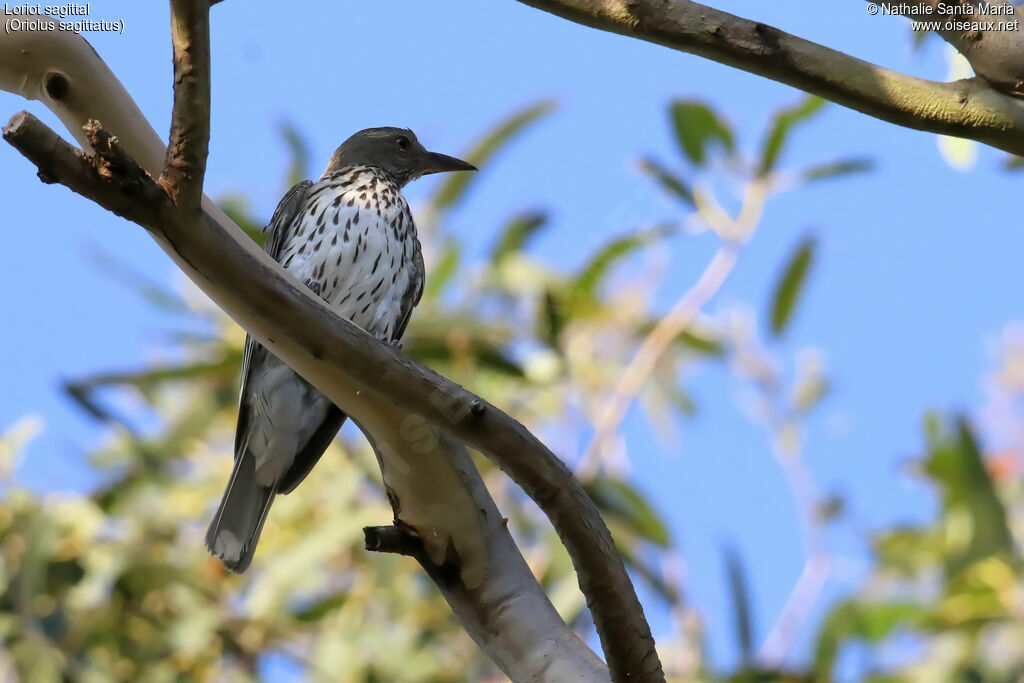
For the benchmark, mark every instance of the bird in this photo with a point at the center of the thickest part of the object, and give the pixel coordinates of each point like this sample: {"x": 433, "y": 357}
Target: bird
{"x": 350, "y": 238}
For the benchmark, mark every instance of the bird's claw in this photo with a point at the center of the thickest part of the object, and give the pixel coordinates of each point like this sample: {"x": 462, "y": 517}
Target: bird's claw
{"x": 396, "y": 344}
{"x": 314, "y": 286}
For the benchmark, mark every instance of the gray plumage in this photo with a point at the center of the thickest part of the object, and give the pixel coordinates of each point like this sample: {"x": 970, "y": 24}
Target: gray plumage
{"x": 350, "y": 238}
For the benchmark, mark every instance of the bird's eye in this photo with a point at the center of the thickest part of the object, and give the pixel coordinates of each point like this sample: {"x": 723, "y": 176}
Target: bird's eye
{"x": 403, "y": 143}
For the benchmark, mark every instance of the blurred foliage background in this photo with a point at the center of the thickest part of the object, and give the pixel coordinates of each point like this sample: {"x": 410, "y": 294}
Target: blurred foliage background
{"x": 114, "y": 585}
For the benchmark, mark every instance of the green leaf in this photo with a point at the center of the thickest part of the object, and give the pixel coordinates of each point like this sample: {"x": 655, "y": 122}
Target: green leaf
{"x": 552, "y": 318}
{"x": 669, "y": 181}
{"x": 146, "y": 287}
{"x": 584, "y": 286}
{"x": 872, "y": 622}
{"x": 237, "y": 208}
{"x": 740, "y": 596}
{"x": 517, "y": 233}
{"x": 682, "y": 400}
{"x": 955, "y": 463}
{"x": 836, "y": 169}
{"x": 299, "y": 155}
{"x": 430, "y": 348}
{"x": 319, "y": 610}
{"x": 830, "y": 509}
{"x": 83, "y": 391}
{"x": 701, "y": 342}
{"x": 1013, "y": 163}
{"x": 145, "y": 380}
{"x": 455, "y": 186}
{"x": 697, "y": 127}
{"x": 442, "y": 273}
{"x": 787, "y": 291}
{"x": 617, "y": 498}
{"x": 906, "y": 550}
{"x": 649, "y": 573}
{"x": 696, "y": 338}
{"x": 782, "y": 126}
{"x": 917, "y": 38}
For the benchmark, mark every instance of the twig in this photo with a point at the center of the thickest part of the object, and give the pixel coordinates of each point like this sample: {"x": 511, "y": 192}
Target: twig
{"x": 190, "y": 119}
{"x": 108, "y": 177}
{"x": 350, "y": 367}
{"x": 392, "y": 539}
{"x": 817, "y": 562}
{"x": 802, "y": 598}
{"x": 817, "y": 565}
{"x": 654, "y": 346}
{"x": 968, "y": 109}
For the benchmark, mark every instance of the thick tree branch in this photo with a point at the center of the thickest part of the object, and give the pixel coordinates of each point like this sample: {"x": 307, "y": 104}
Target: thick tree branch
{"x": 506, "y": 612}
{"x": 994, "y": 52}
{"x": 375, "y": 385}
{"x": 367, "y": 379}
{"x": 61, "y": 70}
{"x": 968, "y": 109}
{"x": 190, "y": 119}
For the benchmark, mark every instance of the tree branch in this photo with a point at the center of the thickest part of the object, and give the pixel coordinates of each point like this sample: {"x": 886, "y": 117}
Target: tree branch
{"x": 372, "y": 383}
{"x": 379, "y": 389}
{"x": 134, "y": 196}
{"x": 968, "y": 108}
{"x": 190, "y": 118}
{"x": 653, "y": 348}
{"x": 507, "y": 613}
{"x": 995, "y": 54}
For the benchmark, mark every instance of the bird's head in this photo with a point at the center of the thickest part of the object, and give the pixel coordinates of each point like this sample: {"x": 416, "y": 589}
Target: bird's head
{"x": 395, "y": 150}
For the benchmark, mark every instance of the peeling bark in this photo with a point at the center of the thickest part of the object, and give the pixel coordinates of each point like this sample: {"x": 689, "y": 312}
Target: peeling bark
{"x": 476, "y": 563}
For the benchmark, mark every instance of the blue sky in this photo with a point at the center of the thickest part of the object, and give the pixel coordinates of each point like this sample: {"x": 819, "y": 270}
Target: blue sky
{"x": 917, "y": 275}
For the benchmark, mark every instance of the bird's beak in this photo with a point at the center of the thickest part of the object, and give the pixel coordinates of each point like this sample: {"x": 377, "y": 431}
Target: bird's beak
{"x": 442, "y": 163}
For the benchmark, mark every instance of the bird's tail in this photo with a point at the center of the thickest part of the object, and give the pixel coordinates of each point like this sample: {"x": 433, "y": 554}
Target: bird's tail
{"x": 236, "y": 527}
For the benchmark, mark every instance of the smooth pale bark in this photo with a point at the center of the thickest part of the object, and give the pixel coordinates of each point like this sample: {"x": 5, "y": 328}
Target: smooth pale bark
{"x": 399, "y": 403}
{"x": 995, "y": 53}
{"x": 969, "y": 108}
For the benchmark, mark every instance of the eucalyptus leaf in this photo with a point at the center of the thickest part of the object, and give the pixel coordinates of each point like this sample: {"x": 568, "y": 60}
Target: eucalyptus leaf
{"x": 298, "y": 153}
{"x": 836, "y": 169}
{"x": 955, "y": 463}
{"x": 697, "y": 128}
{"x": 866, "y": 621}
{"x": 552, "y": 318}
{"x": 517, "y": 233}
{"x": 790, "y": 285}
{"x": 585, "y": 285}
{"x": 668, "y": 181}
{"x": 455, "y": 185}
{"x": 739, "y": 595}
{"x": 782, "y": 127}
{"x": 620, "y": 499}
{"x": 153, "y": 292}
{"x": 442, "y": 273}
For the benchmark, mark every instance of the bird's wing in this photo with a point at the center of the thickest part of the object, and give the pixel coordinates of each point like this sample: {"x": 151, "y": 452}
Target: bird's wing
{"x": 284, "y": 215}
{"x": 414, "y": 292}
{"x": 255, "y": 354}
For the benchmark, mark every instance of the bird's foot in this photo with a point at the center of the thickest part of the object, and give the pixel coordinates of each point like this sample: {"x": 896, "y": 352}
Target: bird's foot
{"x": 396, "y": 344}
{"x": 314, "y": 286}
